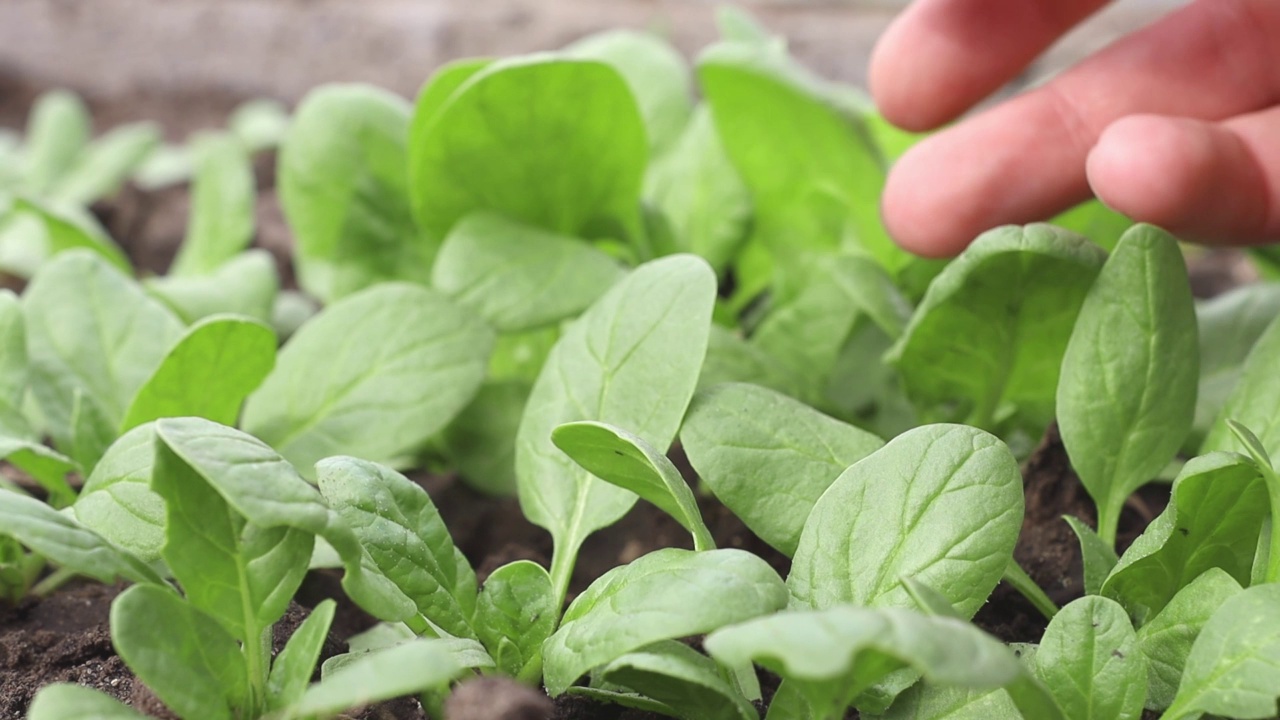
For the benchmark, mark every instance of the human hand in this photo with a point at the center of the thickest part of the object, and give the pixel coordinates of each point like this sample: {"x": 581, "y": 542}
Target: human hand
{"x": 1176, "y": 125}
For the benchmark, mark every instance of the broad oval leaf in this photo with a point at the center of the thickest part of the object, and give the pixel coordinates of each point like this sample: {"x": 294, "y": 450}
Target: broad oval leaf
{"x": 941, "y": 504}
{"x": 1089, "y": 660}
{"x": 223, "y": 196}
{"x": 1166, "y": 639}
{"x": 412, "y": 667}
{"x": 666, "y": 594}
{"x": 117, "y": 500}
{"x": 64, "y": 700}
{"x": 553, "y": 142}
{"x": 1254, "y": 400}
{"x": 105, "y": 165}
{"x": 768, "y": 457}
{"x": 373, "y": 375}
{"x": 991, "y": 331}
{"x": 244, "y": 285}
{"x": 344, "y": 189}
{"x": 208, "y": 373}
{"x": 681, "y": 678}
{"x": 1128, "y": 388}
{"x": 515, "y": 613}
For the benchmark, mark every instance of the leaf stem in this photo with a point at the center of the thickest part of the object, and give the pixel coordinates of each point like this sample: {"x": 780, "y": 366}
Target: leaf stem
{"x": 1022, "y": 582}
{"x": 257, "y": 656}
{"x": 563, "y": 558}
{"x": 1109, "y": 521}
{"x": 50, "y": 584}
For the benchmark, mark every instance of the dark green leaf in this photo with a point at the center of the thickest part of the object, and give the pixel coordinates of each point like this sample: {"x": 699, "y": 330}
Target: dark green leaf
{"x": 1089, "y": 660}
{"x": 515, "y": 614}
{"x": 292, "y": 669}
{"x": 1167, "y": 638}
{"x": 405, "y": 669}
{"x": 681, "y": 678}
{"x": 1099, "y": 557}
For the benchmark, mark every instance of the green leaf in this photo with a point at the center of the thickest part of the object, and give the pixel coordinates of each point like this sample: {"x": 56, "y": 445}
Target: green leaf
{"x": 1254, "y": 400}
{"x": 69, "y": 228}
{"x": 1099, "y": 557}
{"x": 547, "y": 141}
{"x": 344, "y": 189}
{"x": 768, "y": 457}
{"x": 730, "y": 358}
{"x": 65, "y": 542}
{"x": 185, "y": 657}
{"x": 223, "y": 193}
{"x": 1095, "y": 221}
{"x": 58, "y": 130}
{"x": 664, "y": 595}
{"x": 13, "y": 364}
{"x": 656, "y": 74}
{"x": 699, "y": 192}
{"x": 928, "y": 600}
{"x": 632, "y": 360}
{"x": 117, "y": 501}
{"x": 990, "y": 334}
{"x": 441, "y": 86}
{"x": 519, "y": 277}
{"x": 374, "y": 375}
{"x": 91, "y": 333}
{"x": 480, "y": 442}
{"x": 1234, "y": 666}
{"x": 1230, "y": 326}
{"x": 405, "y": 669}
{"x": 1128, "y": 389}
{"x": 60, "y": 701}
{"x": 832, "y": 655}
{"x": 292, "y": 669}
{"x": 925, "y": 701}
{"x": 681, "y": 678}
{"x": 626, "y": 460}
{"x": 244, "y": 285}
{"x": 259, "y": 124}
{"x": 106, "y": 164}
{"x": 515, "y": 614}
{"x": 208, "y": 373}
{"x": 1214, "y": 517}
{"x": 402, "y": 533}
{"x": 48, "y": 467}
{"x": 1166, "y": 639}
{"x": 941, "y": 504}
{"x": 1089, "y": 660}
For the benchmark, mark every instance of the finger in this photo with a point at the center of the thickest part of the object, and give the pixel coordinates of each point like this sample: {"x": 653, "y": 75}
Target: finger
{"x": 1203, "y": 181}
{"x": 1025, "y": 160}
{"x": 939, "y": 57}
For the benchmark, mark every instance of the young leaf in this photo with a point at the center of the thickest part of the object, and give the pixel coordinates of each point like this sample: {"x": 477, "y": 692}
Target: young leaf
{"x": 413, "y": 667}
{"x": 220, "y": 225}
{"x": 480, "y": 442}
{"x": 664, "y": 595}
{"x": 1233, "y": 669}
{"x": 1128, "y": 389}
{"x": 768, "y": 457}
{"x": 185, "y": 657}
{"x": 58, "y": 130}
{"x": 244, "y": 285}
{"x": 925, "y": 701}
{"x": 106, "y": 164}
{"x": 92, "y": 334}
{"x": 1099, "y": 557}
{"x": 626, "y": 460}
{"x": 208, "y": 373}
{"x": 515, "y": 614}
{"x": 941, "y": 504}
{"x": 632, "y": 360}
{"x": 681, "y": 678}
{"x": 1213, "y": 520}
{"x": 259, "y": 124}
{"x": 46, "y": 466}
{"x": 573, "y": 156}
{"x": 64, "y": 700}
{"x": 1230, "y": 325}
{"x": 117, "y": 501}
{"x": 344, "y": 189}
{"x": 1089, "y": 660}
{"x": 928, "y": 600}
{"x": 292, "y": 669}
{"x": 1166, "y": 639}
{"x": 1254, "y": 400}
{"x": 732, "y": 359}
{"x": 402, "y": 533}
{"x": 993, "y": 326}
{"x": 399, "y": 361}
{"x": 13, "y": 364}
{"x": 519, "y": 277}
{"x": 59, "y": 229}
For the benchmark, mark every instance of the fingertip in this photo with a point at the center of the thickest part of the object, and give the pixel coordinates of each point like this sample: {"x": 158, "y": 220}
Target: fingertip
{"x": 889, "y": 78}
{"x": 919, "y": 218}
{"x": 1150, "y": 167}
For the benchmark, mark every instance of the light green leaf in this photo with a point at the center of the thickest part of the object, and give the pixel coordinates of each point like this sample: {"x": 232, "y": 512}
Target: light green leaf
{"x": 413, "y": 667}
{"x": 1230, "y": 326}
{"x": 632, "y": 360}
{"x": 46, "y": 466}
{"x": 1234, "y": 666}
{"x": 989, "y": 336}
{"x": 208, "y": 373}
{"x": 292, "y": 669}
{"x": 13, "y": 364}
{"x": 58, "y": 130}
{"x": 1095, "y": 221}
{"x": 244, "y": 285}
{"x": 403, "y": 535}
{"x": 1089, "y": 660}
{"x": 221, "y": 223}
{"x": 117, "y": 500}
{"x": 344, "y": 189}
{"x": 768, "y": 457}
{"x": 1254, "y": 400}
{"x": 480, "y": 442}
{"x": 63, "y": 228}
{"x": 1167, "y": 638}
{"x": 91, "y": 334}
{"x": 626, "y": 460}
{"x": 1128, "y": 388}
{"x": 259, "y": 124}
{"x": 515, "y": 614}
{"x": 60, "y": 701}
{"x": 1214, "y": 517}
{"x": 374, "y": 375}
{"x": 1099, "y": 557}
{"x": 186, "y": 658}
{"x": 681, "y": 678}
{"x": 664, "y": 595}
{"x": 518, "y": 277}
{"x": 941, "y": 504}
{"x": 730, "y": 358}
{"x": 544, "y": 140}
{"x": 106, "y": 164}
{"x": 925, "y": 701}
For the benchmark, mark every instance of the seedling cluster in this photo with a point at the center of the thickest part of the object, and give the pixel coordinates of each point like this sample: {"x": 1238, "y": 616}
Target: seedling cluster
{"x": 542, "y": 275}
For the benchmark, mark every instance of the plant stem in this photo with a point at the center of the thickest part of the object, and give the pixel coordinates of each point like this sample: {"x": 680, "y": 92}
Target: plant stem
{"x": 1022, "y": 582}
{"x": 257, "y": 657}
{"x": 1109, "y": 521}
{"x": 563, "y": 558}
{"x": 55, "y": 580}
{"x": 1272, "y": 480}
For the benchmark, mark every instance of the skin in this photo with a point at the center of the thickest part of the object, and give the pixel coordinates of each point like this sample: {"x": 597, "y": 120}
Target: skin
{"x": 1177, "y": 124}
